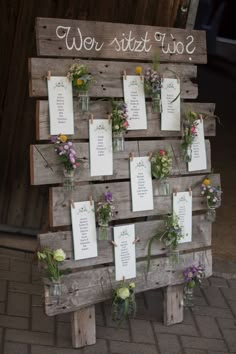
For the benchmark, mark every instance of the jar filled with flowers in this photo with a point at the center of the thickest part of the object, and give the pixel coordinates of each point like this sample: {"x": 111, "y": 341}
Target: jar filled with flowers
{"x": 81, "y": 81}
{"x": 123, "y": 302}
{"x": 213, "y": 197}
{"x": 161, "y": 166}
{"x": 189, "y": 134}
{"x": 193, "y": 276}
{"x": 104, "y": 211}
{"x": 120, "y": 125}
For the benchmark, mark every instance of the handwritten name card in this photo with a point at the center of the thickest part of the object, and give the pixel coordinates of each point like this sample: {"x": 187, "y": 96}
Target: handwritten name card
{"x": 135, "y": 100}
{"x": 182, "y": 207}
{"x": 170, "y": 116}
{"x": 125, "y": 260}
{"x": 60, "y": 105}
{"x": 141, "y": 184}
{"x": 84, "y": 230}
{"x": 199, "y": 160}
{"x": 100, "y": 140}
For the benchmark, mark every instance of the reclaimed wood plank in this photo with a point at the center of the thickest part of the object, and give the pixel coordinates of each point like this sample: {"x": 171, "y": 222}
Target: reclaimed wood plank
{"x": 83, "y": 327}
{"x": 59, "y": 205}
{"x": 107, "y": 74}
{"x": 201, "y": 237}
{"x": 100, "y": 109}
{"x": 90, "y": 39}
{"x": 173, "y": 305}
{"x": 47, "y": 169}
{"x": 192, "y": 14}
{"x": 88, "y": 287}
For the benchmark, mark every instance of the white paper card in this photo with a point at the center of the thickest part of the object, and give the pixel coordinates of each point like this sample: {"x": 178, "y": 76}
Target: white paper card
{"x": 199, "y": 160}
{"x": 135, "y": 100}
{"x": 60, "y": 105}
{"x": 141, "y": 184}
{"x": 100, "y": 140}
{"x": 182, "y": 207}
{"x": 125, "y": 260}
{"x": 170, "y": 115}
{"x": 84, "y": 230}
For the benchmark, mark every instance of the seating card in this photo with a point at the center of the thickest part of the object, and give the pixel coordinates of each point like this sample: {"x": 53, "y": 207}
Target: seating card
{"x": 84, "y": 230}
{"x": 135, "y": 100}
{"x": 125, "y": 260}
{"x": 170, "y": 115}
{"x": 199, "y": 160}
{"x": 60, "y": 105}
{"x": 141, "y": 184}
{"x": 182, "y": 207}
{"x": 100, "y": 141}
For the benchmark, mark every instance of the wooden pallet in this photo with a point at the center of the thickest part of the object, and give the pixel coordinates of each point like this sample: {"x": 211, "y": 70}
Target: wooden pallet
{"x": 92, "y": 279}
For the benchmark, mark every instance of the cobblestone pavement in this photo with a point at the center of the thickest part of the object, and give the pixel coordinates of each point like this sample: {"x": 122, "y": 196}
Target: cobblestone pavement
{"x": 210, "y": 327}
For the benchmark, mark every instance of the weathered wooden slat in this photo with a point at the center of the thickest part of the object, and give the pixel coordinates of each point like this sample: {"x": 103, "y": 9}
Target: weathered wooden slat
{"x": 59, "y": 207}
{"x": 99, "y": 109}
{"x": 47, "y": 169}
{"x": 83, "y": 325}
{"x": 88, "y": 287}
{"x": 73, "y": 38}
{"x": 201, "y": 237}
{"x": 108, "y": 76}
{"x": 173, "y": 305}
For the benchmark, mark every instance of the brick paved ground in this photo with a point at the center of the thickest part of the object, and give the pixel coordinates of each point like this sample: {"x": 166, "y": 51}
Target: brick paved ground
{"x": 210, "y": 327}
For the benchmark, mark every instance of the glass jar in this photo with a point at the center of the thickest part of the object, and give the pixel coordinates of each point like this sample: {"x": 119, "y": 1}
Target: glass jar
{"x": 69, "y": 180}
{"x": 212, "y": 206}
{"x": 118, "y": 141}
{"x": 188, "y": 154}
{"x": 55, "y": 291}
{"x": 156, "y": 102}
{"x": 173, "y": 256}
{"x": 103, "y": 231}
{"x": 163, "y": 187}
{"x": 84, "y": 100}
{"x": 188, "y": 296}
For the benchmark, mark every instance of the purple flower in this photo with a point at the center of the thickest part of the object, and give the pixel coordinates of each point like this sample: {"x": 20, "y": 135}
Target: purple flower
{"x": 108, "y": 197}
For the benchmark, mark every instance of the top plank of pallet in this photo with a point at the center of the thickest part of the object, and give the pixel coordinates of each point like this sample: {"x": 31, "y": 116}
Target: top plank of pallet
{"x": 91, "y": 39}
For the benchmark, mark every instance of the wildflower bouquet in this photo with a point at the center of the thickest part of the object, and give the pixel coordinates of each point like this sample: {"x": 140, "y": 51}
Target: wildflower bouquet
{"x": 193, "y": 276}
{"x": 119, "y": 117}
{"x": 161, "y": 164}
{"x": 50, "y": 260}
{"x": 104, "y": 211}
{"x": 66, "y": 153}
{"x": 170, "y": 236}
{"x": 190, "y": 133}
{"x": 80, "y": 77}
{"x": 212, "y": 194}
{"x": 123, "y": 302}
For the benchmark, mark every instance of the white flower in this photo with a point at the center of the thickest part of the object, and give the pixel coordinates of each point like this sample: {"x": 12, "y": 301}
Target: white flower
{"x": 123, "y": 293}
{"x": 59, "y": 255}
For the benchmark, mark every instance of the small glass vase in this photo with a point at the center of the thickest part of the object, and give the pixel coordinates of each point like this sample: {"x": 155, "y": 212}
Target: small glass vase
{"x": 156, "y": 102}
{"x": 84, "y": 100}
{"x": 212, "y": 206}
{"x": 163, "y": 187}
{"x": 55, "y": 291}
{"x": 173, "y": 256}
{"x": 69, "y": 180}
{"x": 118, "y": 310}
{"x": 103, "y": 232}
{"x": 188, "y": 154}
{"x": 118, "y": 142}
{"x": 188, "y": 296}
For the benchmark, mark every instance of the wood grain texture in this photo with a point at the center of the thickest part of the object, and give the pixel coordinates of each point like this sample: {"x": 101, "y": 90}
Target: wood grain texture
{"x": 83, "y": 327}
{"x": 173, "y": 305}
{"x": 108, "y": 76}
{"x": 47, "y": 169}
{"x": 88, "y": 287}
{"x": 100, "y": 109}
{"x": 201, "y": 237}
{"x": 146, "y": 40}
{"x": 59, "y": 207}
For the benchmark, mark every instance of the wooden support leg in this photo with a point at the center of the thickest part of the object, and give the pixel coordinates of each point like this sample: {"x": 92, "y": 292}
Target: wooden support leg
{"x": 173, "y": 305}
{"x": 83, "y": 327}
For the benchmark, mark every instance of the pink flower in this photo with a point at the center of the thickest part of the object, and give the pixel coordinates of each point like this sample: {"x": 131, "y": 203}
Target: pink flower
{"x": 125, "y": 124}
{"x": 193, "y": 130}
{"x": 162, "y": 152}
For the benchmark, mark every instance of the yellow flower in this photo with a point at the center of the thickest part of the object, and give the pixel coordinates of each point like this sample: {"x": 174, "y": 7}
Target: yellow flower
{"x": 79, "y": 82}
{"x": 63, "y": 138}
{"x": 59, "y": 255}
{"x": 138, "y": 70}
{"x": 206, "y": 182}
{"x": 123, "y": 293}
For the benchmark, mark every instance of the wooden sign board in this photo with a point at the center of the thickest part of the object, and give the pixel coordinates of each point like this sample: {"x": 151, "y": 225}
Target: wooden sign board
{"x": 91, "y": 39}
